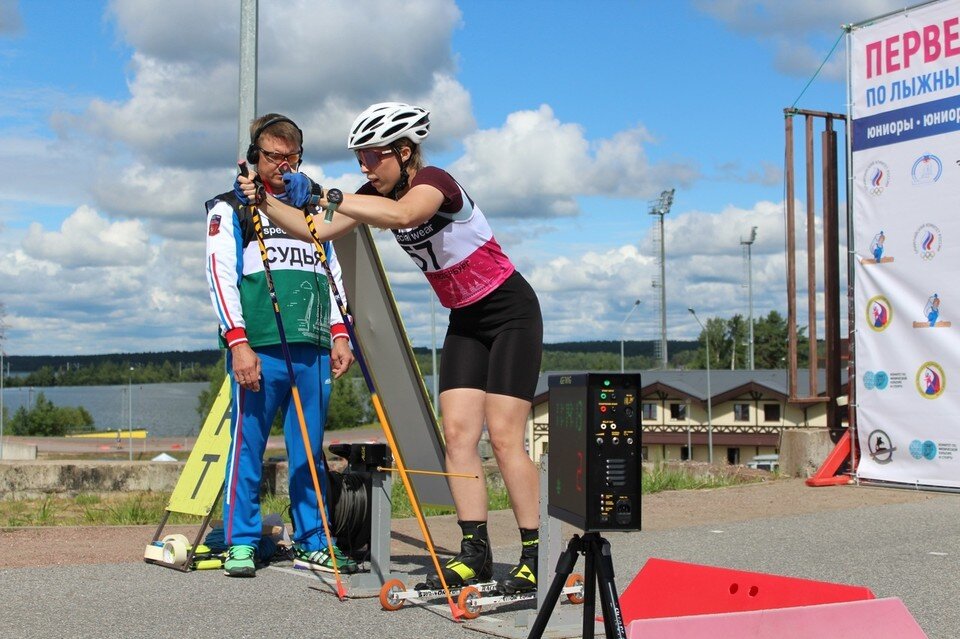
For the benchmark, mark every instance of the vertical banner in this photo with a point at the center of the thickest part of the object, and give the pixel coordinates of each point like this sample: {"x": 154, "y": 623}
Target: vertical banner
{"x": 905, "y": 108}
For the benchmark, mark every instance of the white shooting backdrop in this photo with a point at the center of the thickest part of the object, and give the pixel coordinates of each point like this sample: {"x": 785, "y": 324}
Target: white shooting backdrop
{"x": 904, "y": 72}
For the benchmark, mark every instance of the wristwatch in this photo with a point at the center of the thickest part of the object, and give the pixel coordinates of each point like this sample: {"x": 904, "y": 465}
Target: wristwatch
{"x": 334, "y": 198}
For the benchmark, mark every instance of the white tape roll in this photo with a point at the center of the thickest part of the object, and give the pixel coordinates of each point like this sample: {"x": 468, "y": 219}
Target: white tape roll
{"x": 174, "y": 552}
{"x": 177, "y": 537}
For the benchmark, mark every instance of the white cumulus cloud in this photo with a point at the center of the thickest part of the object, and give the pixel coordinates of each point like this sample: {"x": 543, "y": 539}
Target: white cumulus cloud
{"x": 537, "y": 166}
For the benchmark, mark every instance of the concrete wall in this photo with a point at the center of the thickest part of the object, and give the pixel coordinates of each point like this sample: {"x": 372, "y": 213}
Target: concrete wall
{"x": 33, "y": 479}
{"x": 19, "y": 452}
{"x": 802, "y": 451}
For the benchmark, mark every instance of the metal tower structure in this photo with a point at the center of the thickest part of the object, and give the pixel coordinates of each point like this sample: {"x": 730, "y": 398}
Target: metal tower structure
{"x": 660, "y": 207}
{"x": 747, "y": 256}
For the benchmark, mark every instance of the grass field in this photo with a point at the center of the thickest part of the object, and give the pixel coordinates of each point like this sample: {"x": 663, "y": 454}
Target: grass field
{"x": 127, "y": 509}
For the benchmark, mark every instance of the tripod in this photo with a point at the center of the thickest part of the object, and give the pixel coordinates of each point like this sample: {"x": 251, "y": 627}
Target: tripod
{"x": 598, "y": 564}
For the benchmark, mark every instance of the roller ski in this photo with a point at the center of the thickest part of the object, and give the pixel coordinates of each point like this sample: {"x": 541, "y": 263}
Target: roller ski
{"x": 472, "y": 567}
{"x": 470, "y": 598}
{"x": 394, "y": 593}
{"x": 520, "y": 584}
{"x": 469, "y": 576}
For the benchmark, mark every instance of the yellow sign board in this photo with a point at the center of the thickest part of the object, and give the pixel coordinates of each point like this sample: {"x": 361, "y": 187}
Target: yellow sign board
{"x": 202, "y": 476}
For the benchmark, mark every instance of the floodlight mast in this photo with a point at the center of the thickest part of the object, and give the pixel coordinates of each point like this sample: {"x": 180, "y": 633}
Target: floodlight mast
{"x": 248, "y": 73}
{"x": 748, "y": 254}
{"x": 660, "y": 207}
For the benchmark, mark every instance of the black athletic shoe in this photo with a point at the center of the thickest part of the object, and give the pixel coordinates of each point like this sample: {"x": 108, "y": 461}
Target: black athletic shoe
{"x": 473, "y": 564}
{"x": 523, "y": 576}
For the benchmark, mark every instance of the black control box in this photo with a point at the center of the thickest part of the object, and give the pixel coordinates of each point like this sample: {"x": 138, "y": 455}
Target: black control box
{"x": 594, "y": 450}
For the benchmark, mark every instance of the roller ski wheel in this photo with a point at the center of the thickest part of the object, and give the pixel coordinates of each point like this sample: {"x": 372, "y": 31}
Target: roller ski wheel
{"x": 390, "y": 598}
{"x": 468, "y": 602}
{"x": 573, "y": 588}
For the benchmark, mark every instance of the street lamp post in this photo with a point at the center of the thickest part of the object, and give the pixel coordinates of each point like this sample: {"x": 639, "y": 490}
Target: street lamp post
{"x": 748, "y": 243}
{"x": 622, "y": 327}
{"x": 706, "y": 338}
{"x": 130, "y": 410}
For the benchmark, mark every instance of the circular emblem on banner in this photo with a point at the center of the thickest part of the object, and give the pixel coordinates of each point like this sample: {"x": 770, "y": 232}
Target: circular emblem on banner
{"x": 881, "y": 379}
{"x": 928, "y": 449}
{"x": 931, "y": 380}
{"x": 876, "y": 380}
{"x": 879, "y": 313}
{"x": 927, "y": 169}
{"x": 877, "y": 177}
{"x": 881, "y": 448}
{"x": 927, "y": 241}
{"x": 916, "y": 449}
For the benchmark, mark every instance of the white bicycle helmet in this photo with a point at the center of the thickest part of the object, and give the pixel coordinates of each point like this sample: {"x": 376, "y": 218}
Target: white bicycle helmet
{"x": 383, "y": 123}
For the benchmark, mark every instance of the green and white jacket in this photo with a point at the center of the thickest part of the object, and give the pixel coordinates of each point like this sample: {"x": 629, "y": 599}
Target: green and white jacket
{"x": 238, "y": 285}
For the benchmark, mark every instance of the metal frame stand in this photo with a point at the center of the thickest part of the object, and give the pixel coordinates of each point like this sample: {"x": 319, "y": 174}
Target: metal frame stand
{"x": 369, "y": 583}
{"x": 187, "y": 565}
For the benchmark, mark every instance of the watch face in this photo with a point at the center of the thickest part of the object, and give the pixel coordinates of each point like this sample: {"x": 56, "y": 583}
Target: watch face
{"x": 335, "y": 196}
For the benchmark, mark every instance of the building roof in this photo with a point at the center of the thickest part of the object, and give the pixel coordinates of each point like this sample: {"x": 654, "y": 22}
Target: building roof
{"x": 693, "y": 383}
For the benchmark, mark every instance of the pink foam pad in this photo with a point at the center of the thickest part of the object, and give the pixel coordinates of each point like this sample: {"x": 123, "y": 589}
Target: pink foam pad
{"x": 868, "y": 619}
{"x": 666, "y": 588}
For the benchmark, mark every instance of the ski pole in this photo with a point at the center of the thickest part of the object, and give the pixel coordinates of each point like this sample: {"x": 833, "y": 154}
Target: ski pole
{"x": 378, "y": 406}
{"x": 258, "y": 229}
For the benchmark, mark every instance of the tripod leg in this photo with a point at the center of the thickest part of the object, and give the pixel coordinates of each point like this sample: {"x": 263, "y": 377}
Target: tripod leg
{"x": 568, "y": 559}
{"x": 589, "y": 588}
{"x": 609, "y": 601}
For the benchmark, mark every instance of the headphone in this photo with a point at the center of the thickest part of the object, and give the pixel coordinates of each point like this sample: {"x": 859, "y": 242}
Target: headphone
{"x": 253, "y": 151}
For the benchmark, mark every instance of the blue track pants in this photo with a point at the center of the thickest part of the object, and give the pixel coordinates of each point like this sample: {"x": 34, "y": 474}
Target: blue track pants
{"x": 251, "y": 417}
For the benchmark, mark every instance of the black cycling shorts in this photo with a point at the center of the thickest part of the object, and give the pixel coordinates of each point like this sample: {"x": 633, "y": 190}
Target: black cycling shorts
{"x": 496, "y": 343}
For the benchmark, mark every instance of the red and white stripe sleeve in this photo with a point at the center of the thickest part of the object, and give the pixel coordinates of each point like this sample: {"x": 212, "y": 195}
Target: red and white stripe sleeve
{"x": 224, "y": 266}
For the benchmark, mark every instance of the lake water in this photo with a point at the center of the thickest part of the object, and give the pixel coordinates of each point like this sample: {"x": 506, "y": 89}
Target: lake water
{"x": 165, "y": 410}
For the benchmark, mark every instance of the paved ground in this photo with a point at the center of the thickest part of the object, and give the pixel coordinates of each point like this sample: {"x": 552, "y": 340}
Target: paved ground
{"x": 89, "y": 582}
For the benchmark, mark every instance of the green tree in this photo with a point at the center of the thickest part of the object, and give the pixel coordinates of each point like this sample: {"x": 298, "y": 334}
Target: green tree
{"x": 771, "y": 338}
{"x": 737, "y": 348}
{"x": 717, "y": 330}
{"x": 346, "y": 408}
{"x": 45, "y": 419}
{"x": 728, "y": 344}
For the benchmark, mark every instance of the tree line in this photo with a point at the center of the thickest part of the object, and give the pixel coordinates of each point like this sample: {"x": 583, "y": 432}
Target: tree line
{"x": 729, "y": 344}
{"x": 108, "y": 372}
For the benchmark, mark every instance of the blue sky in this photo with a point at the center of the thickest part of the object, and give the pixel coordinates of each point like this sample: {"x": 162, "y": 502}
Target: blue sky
{"x": 562, "y": 119}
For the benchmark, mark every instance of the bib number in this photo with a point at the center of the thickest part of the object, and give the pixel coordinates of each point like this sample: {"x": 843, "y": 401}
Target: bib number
{"x": 420, "y": 252}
